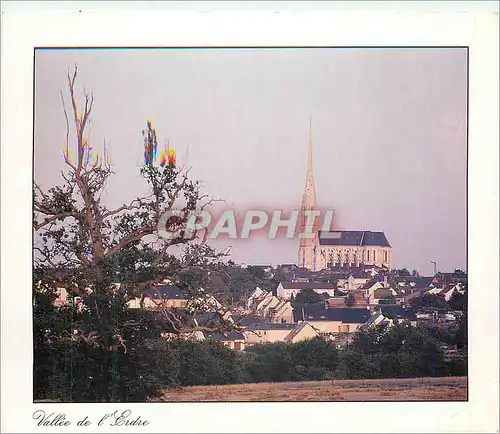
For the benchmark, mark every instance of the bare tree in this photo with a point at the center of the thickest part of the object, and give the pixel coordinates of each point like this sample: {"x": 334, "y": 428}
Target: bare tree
{"x": 87, "y": 248}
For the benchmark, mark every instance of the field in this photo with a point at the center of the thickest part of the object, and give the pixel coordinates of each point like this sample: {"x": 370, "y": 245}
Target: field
{"x": 414, "y": 389}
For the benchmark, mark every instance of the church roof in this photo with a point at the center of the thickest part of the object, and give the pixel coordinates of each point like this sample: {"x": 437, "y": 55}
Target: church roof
{"x": 353, "y": 238}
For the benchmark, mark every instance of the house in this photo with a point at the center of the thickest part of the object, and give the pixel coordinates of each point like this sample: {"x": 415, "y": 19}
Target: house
{"x": 373, "y": 270}
{"x": 377, "y": 320}
{"x": 446, "y": 290}
{"x": 340, "y": 339}
{"x": 385, "y": 316}
{"x": 280, "y": 313}
{"x": 334, "y": 320}
{"x": 458, "y": 276}
{"x": 355, "y": 280}
{"x": 301, "y": 332}
{"x": 188, "y": 336}
{"x": 64, "y": 299}
{"x": 288, "y": 333}
{"x": 267, "y": 333}
{"x": 170, "y": 296}
{"x": 399, "y": 313}
{"x": 254, "y": 298}
{"x": 360, "y": 298}
{"x": 301, "y": 275}
{"x": 379, "y": 295}
{"x": 286, "y": 290}
{"x": 370, "y": 286}
{"x": 335, "y": 302}
{"x": 338, "y": 277}
{"x": 234, "y": 340}
{"x": 269, "y": 307}
{"x": 248, "y": 320}
{"x": 265, "y": 303}
{"x": 407, "y": 293}
{"x": 451, "y": 290}
{"x": 419, "y": 281}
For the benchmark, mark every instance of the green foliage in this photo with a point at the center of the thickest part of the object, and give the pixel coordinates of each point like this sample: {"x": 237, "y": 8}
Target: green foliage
{"x": 235, "y": 283}
{"x": 312, "y": 359}
{"x": 272, "y": 362}
{"x": 402, "y": 272}
{"x": 429, "y": 300}
{"x": 103, "y": 351}
{"x": 309, "y": 296}
{"x": 458, "y": 301}
{"x": 208, "y": 362}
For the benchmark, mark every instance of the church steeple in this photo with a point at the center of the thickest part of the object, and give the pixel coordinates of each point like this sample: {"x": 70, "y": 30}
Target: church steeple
{"x": 307, "y": 248}
{"x": 309, "y": 196}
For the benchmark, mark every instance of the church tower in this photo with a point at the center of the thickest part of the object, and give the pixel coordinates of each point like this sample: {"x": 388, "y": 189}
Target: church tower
{"x": 308, "y": 246}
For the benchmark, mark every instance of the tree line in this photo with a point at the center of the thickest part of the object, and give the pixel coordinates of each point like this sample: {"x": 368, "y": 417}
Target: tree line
{"x": 402, "y": 351}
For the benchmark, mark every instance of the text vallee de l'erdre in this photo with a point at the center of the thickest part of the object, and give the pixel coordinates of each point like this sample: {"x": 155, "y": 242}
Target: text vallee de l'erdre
{"x": 116, "y": 418}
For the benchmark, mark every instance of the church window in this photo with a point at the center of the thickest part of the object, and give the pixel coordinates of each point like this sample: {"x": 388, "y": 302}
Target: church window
{"x": 368, "y": 254}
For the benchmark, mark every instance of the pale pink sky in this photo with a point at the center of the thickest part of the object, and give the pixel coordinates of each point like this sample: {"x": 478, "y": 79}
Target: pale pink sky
{"x": 389, "y": 129}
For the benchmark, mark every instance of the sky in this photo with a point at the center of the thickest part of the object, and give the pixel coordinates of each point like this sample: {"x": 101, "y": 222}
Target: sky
{"x": 389, "y": 128}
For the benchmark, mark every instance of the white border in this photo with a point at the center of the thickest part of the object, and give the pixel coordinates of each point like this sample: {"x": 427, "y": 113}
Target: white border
{"x": 24, "y": 27}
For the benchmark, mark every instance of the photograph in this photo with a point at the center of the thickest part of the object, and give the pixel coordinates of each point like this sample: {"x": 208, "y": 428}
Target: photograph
{"x": 250, "y": 224}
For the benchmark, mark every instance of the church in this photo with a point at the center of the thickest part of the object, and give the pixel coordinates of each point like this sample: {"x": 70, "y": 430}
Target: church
{"x": 337, "y": 247}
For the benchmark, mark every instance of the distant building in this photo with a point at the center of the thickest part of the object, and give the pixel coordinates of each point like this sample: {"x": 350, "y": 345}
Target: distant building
{"x": 328, "y": 248}
{"x": 387, "y": 315}
{"x": 166, "y": 295}
{"x": 288, "y": 333}
{"x": 352, "y": 248}
{"x": 234, "y": 340}
{"x": 286, "y": 290}
{"x": 333, "y": 320}
{"x": 269, "y": 307}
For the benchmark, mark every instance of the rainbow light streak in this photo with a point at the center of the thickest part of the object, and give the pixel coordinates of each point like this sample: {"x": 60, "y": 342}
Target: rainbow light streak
{"x": 171, "y": 156}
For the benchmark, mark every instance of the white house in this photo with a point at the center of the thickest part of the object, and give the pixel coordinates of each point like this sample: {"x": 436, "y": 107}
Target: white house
{"x": 286, "y": 290}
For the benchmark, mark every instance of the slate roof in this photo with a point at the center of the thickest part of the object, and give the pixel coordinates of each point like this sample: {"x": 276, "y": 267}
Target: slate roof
{"x": 371, "y": 282}
{"x": 343, "y": 314}
{"x": 207, "y": 319}
{"x": 338, "y": 276}
{"x": 217, "y": 336}
{"x": 235, "y": 336}
{"x": 394, "y": 312}
{"x": 271, "y": 326}
{"x": 302, "y": 274}
{"x": 417, "y": 280}
{"x": 425, "y": 281}
{"x": 163, "y": 292}
{"x": 358, "y": 274}
{"x": 353, "y": 238}
{"x": 221, "y": 337}
{"x": 249, "y": 320}
{"x": 296, "y": 330}
{"x": 307, "y": 285}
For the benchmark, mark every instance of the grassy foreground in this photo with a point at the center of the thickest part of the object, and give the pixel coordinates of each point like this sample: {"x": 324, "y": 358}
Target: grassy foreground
{"x": 412, "y": 389}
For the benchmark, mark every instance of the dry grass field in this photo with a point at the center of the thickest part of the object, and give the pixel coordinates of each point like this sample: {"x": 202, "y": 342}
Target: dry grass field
{"x": 414, "y": 389}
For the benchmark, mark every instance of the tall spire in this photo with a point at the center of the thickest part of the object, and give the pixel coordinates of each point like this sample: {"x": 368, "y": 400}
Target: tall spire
{"x": 307, "y": 248}
{"x": 309, "y": 197}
